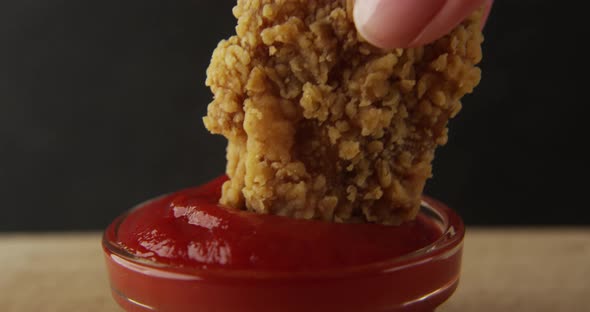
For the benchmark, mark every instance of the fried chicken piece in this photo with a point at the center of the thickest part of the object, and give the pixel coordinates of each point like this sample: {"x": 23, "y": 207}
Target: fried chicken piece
{"x": 321, "y": 124}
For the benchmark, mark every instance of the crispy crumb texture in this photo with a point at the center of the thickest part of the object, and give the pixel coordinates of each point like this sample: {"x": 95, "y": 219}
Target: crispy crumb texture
{"x": 322, "y": 125}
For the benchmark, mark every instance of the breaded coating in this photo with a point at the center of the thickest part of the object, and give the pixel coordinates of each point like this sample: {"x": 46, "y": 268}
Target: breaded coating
{"x": 322, "y": 125}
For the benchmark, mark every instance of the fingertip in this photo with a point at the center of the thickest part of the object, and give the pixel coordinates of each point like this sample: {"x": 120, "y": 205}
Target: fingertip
{"x": 409, "y": 23}
{"x": 449, "y": 16}
{"x": 393, "y": 23}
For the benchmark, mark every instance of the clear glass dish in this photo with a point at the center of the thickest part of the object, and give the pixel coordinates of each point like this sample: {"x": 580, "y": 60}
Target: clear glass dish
{"x": 418, "y": 281}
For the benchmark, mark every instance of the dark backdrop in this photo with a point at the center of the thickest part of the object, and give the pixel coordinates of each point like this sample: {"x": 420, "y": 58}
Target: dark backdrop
{"x": 101, "y": 105}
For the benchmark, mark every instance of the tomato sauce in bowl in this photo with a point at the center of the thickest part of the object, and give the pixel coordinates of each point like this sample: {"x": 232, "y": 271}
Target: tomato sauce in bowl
{"x": 183, "y": 252}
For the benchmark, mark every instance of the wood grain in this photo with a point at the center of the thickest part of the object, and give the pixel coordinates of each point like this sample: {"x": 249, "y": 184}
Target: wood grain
{"x": 504, "y": 270}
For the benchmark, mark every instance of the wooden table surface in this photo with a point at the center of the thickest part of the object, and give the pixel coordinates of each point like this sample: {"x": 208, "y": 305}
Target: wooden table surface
{"x": 504, "y": 270}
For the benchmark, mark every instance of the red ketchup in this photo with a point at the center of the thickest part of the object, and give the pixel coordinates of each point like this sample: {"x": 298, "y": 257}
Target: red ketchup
{"x": 183, "y": 252}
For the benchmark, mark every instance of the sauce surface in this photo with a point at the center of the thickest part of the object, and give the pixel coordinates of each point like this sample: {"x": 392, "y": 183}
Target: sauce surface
{"x": 189, "y": 229}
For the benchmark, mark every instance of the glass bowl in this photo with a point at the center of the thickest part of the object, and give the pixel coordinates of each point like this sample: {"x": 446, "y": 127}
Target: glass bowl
{"x": 418, "y": 281}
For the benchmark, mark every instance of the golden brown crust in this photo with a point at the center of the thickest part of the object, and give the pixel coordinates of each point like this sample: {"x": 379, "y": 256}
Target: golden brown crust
{"x": 321, "y": 124}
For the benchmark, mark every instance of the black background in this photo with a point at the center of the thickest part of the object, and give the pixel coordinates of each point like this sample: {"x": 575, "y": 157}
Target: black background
{"x": 101, "y": 105}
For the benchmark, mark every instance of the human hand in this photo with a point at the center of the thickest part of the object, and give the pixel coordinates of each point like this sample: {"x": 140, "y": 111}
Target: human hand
{"x": 408, "y": 23}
